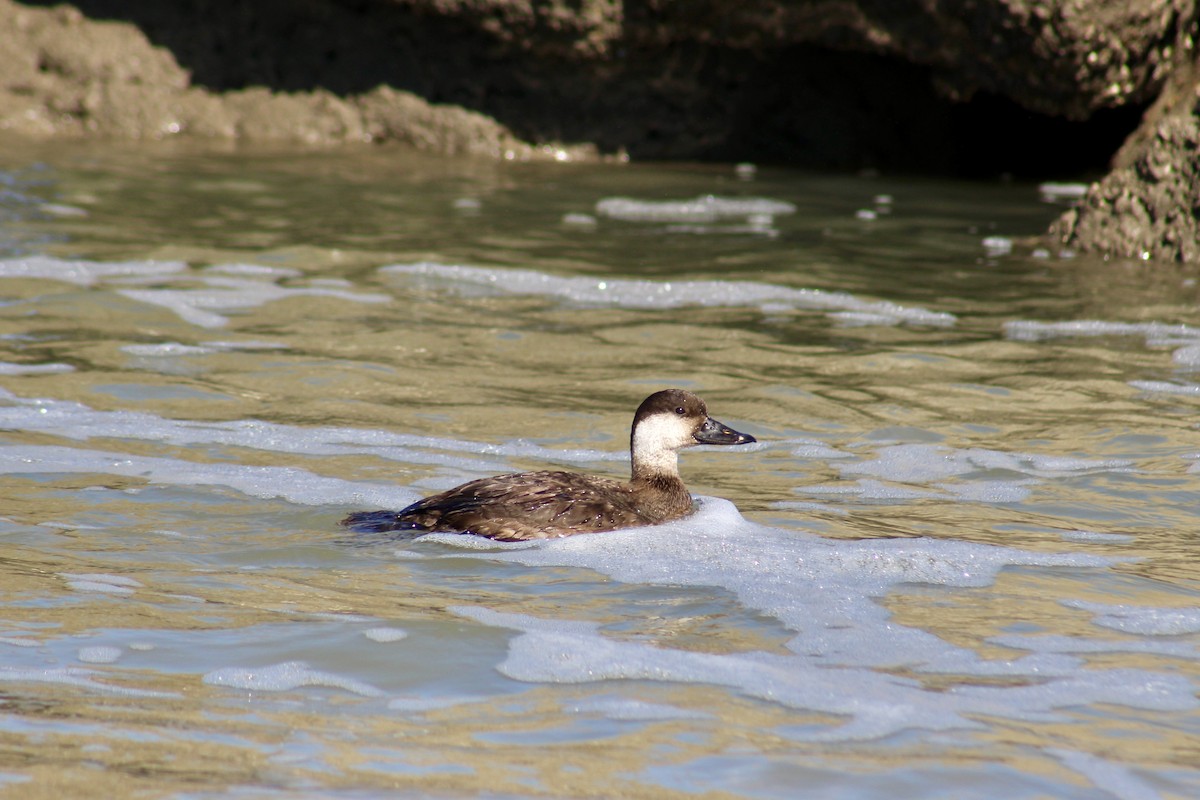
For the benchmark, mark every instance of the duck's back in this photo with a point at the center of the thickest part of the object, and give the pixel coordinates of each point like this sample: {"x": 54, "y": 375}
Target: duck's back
{"x": 529, "y": 505}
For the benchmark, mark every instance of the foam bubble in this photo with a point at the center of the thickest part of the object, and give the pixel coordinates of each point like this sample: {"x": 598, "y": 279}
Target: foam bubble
{"x": 1094, "y": 536}
{"x": 997, "y": 245}
{"x": 706, "y": 208}
{"x": 99, "y": 582}
{"x": 579, "y": 220}
{"x": 818, "y": 450}
{"x": 247, "y": 344}
{"x": 14, "y": 641}
{"x": 933, "y": 467}
{"x": 286, "y": 677}
{"x": 227, "y": 287}
{"x": 201, "y": 306}
{"x": 919, "y": 463}
{"x": 288, "y": 483}
{"x": 85, "y": 273}
{"x": 257, "y": 270}
{"x": 166, "y": 350}
{"x": 62, "y": 210}
{"x": 1052, "y": 192}
{"x": 1166, "y": 387}
{"x": 618, "y": 708}
{"x": 1187, "y": 357}
{"x": 75, "y": 676}
{"x": 1155, "y": 333}
{"x": 383, "y": 635}
{"x": 99, "y": 654}
{"x": 8, "y": 368}
{"x": 647, "y": 294}
{"x": 1143, "y": 620}
{"x": 1081, "y": 645}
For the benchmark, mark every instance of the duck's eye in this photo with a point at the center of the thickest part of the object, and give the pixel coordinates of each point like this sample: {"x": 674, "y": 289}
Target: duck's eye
{"x": 679, "y": 410}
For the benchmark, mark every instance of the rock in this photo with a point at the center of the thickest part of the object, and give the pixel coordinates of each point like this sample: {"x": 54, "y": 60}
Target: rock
{"x": 62, "y": 74}
{"x": 1148, "y": 206}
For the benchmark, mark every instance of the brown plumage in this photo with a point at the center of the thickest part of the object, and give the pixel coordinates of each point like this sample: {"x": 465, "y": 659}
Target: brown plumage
{"x": 541, "y": 505}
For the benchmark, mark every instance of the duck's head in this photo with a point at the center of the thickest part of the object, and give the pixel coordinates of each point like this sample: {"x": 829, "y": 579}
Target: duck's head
{"x": 671, "y": 420}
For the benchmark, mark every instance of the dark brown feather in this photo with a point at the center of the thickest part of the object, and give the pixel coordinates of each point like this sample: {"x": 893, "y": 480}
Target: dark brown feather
{"x": 540, "y": 505}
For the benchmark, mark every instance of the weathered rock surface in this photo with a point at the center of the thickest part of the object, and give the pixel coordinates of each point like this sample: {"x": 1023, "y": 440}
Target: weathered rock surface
{"x": 62, "y": 74}
{"x": 1035, "y": 87}
{"x": 1148, "y": 206}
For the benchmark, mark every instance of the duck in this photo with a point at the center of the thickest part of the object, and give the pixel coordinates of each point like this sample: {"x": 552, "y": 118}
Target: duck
{"x": 550, "y": 504}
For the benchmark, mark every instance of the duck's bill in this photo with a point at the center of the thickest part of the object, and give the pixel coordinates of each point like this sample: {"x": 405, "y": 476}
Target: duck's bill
{"x": 713, "y": 432}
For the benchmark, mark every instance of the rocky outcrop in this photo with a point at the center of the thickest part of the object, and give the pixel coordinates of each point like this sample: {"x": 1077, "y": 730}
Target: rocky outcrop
{"x": 62, "y": 74}
{"x": 1148, "y": 206}
{"x": 977, "y": 87}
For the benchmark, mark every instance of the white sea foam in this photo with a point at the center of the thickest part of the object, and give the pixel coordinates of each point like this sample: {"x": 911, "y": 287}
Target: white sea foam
{"x": 99, "y": 582}
{"x": 287, "y": 483}
{"x": 1052, "y": 192}
{"x": 648, "y": 294}
{"x": 166, "y": 350}
{"x": 71, "y": 420}
{"x": 99, "y": 654}
{"x": 918, "y": 463}
{"x": 246, "y": 344}
{"x": 1185, "y": 339}
{"x": 997, "y": 245}
{"x": 8, "y": 368}
{"x": 827, "y": 592}
{"x": 16, "y": 641}
{"x": 706, "y": 208}
{"x": 579, "y": 220}
{"x": 1167, "y": 387}
{"x": 286, "y": 677}
{"x": 85, "y": 273}
{"x": 177, "y": 349}
{"x": 1156, "y": 334}
{"x": 818, "y": 450}
{"x": 226, "y": 287}
{"x": 201, "y": 306}
{"x": 619, "y": 708}
{"x": 257, "y": 270}
{"x": 1187, "y": 357}
{"x": 63, "y": 210}
{"x": 1076, "y": 645}
{"x": 75, "y": 676}
{"x": 384, "y": 635}
{"x": 1143, "y": 620}
{"x": 970, "y": 475}
{"x": 1095, "y": 536}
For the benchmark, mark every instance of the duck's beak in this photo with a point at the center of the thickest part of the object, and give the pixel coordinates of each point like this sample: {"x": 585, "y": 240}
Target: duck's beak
{"x": 713, "y": 432}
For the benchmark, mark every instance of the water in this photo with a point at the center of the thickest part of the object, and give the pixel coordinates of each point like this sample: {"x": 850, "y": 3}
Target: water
{"x": 958, "y": 563}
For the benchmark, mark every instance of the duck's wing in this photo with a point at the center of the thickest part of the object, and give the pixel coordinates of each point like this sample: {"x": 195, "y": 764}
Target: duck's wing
{"x": 528, "y": 505}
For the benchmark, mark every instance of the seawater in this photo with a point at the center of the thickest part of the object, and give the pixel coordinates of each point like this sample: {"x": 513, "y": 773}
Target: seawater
{"x": 959, "y": 562}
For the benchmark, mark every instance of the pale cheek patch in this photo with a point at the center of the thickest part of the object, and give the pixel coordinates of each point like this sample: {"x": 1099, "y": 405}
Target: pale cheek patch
{"x": 656, "y": 439}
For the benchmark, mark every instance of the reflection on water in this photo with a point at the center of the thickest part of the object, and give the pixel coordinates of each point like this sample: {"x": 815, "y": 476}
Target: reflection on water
{"x": 959, "y": 557}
